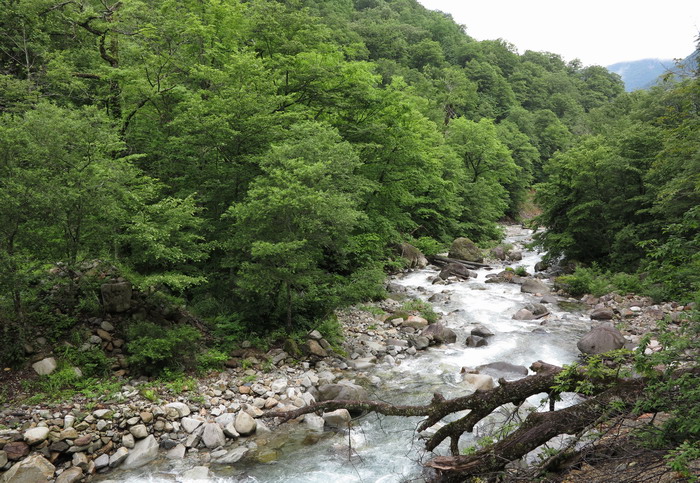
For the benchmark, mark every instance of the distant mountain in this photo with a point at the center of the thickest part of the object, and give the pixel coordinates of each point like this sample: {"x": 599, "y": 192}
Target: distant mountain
{"x": 642, "y": 74}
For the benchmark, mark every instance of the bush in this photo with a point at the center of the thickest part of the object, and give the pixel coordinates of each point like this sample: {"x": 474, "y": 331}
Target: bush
{"x": 583, "y": 281}
{"x": 424, "y": 308}
{"x": 211, "y": 360}
{"x": 153, "y": 348}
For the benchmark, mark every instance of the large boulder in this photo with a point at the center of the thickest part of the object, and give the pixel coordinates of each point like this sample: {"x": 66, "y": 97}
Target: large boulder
{"x": 456, "y": 270}
{"x": 245, "y": 424}
{"x": 530, "y": 285}
{"x": 465, "y": 249}
{"x": 413, "y": 256}
{"x": 503, "y": 369}
{"x": 602, "y": 338}
{"x": 213, "y": 435}
{"x": 602, "y": 313}
{"x": 143, "y": 453}
{"x": 116, "y": 297}
{"x": 475, "y": 341}
{"x": 523, "y": 314}
{"x": 32, "y": 469}
{"x": 36, "y": 435}
{"x": 340, "y": 418}
{"x": 439, "y": 334}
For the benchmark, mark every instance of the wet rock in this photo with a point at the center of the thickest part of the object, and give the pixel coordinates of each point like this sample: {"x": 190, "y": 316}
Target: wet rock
{"x": 523, "y": 314}
{"x": 45, "y": 366}
{"x": 548, "y": 299}
{"x": 36, "y": 435}
{"x": 314, "y": 421}
{"x": 33, "y": 469}
{"x": 439, "y": 334}
{"x": 177, "y": 452}
{"x": 503, "y": 369}
{"x": 233, "y": 456}
{"x": 481, "y": 331}
{"x": 421, "y": 342}
{"x": 143, "y": 453}
{"x": 530, "y": 285}
{"x": 475, "y": 341}
{"x": 413, "y": 256}
{"x": 537, "y": 309}
{"x": 456, "y": 270}
{"x": 340, "y": 418}
{"x": 196, "y": 473}
{"x": 601, "y": 339}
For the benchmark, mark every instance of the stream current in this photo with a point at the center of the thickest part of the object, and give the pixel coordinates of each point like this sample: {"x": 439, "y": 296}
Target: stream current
{"x": 388, "y": 449}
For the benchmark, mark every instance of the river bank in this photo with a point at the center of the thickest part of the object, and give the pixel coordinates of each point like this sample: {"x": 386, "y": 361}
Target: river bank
{"x": 218, "y": 429}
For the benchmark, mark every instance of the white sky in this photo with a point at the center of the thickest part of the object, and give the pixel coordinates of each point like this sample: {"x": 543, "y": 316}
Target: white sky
{"x": 600, "y": 32}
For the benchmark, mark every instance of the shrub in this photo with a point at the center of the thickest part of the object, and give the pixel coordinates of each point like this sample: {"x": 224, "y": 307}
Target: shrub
{"x": 153, "y": 348}
{"x": 424, "y": 308}
{"x": 210, "y": 360}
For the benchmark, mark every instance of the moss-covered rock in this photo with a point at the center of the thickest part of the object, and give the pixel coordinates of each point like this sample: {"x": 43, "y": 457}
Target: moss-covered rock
{"x": 465, "y": 249}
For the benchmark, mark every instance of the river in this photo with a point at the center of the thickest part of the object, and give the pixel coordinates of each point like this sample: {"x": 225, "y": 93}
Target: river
{"x": 387, "y": 449}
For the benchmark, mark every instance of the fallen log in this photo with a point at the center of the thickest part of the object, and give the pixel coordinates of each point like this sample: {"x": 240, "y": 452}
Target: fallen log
{"x": 441, "y": 261}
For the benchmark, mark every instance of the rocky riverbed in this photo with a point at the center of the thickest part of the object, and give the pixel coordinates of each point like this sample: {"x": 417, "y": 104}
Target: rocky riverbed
{"x": 221, "y": 419}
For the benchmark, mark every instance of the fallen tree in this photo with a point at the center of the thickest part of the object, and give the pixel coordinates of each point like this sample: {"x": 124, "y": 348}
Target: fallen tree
{"x": 608, "y": 393}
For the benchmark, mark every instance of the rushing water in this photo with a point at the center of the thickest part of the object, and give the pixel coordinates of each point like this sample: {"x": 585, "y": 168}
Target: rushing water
{"x": 387, "y": 449}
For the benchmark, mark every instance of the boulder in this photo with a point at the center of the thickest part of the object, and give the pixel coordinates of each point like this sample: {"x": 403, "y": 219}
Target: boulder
{"x": 346, "y": 391}
{"x": 499, "y": 252}
{"x": 177, "y": 452}
{"x": 479, "y": 381}
{"x": 139, "y": 431}
{"x": 413, "y": 256}
{"x": 245, "y": 424}
{"x": 515, "y": 255}
{"x": 181, "y": 409}
{"x": 230, "y": 430}
{"x": 233, "y": 456}
{"x": 537, "y": 309}
{"x": 118, "y": 457}
{"x": 541, "y": 266}
{"x": 439, "y": 334}
{"x": 102, "y": 461}
{"x": 213, "y": 436}
{"x": 415, "y": 322}
{"x": 481, "y": 331}
{"x": 523, "y": 314}
{"x": 45, "y": 366}
{"x": 116, "y": 297}
{"x": 420, "y": 342}
{"x": 530, "y": 285}
{"x": 71, "y": 475}
{"x": 312, "y": 347}
{"x": 190, "y": 424}
{"x": 143, "y": 453}
{"x": 32, "y": 469}
{"x": 36, "y": 435}
{"x": 16, "y": 450}
{"x": 475, "y": 341}
{"x": 456, "y": 270}
{"x": 340, "y": 418}
{"x": 465, "y": 249}
{"x": 603, "y": 313}
{"x": 314, "y": 421}
{"x": 601, "y": 339}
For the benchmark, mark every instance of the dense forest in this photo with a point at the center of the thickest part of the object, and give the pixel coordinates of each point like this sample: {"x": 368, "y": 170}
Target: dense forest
{"x": 261, "y": 162}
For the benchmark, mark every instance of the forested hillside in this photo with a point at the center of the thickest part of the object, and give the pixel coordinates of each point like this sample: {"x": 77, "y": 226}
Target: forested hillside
{"x": 262, "y": 160}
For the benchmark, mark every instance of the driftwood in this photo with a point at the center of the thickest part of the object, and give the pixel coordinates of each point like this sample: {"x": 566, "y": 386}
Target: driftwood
{"x": 537, "y": 429}
{"x": 442, "y": 261}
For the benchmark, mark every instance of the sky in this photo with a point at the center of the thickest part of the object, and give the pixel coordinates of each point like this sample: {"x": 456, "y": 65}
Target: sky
{"x": 600, "y": 32}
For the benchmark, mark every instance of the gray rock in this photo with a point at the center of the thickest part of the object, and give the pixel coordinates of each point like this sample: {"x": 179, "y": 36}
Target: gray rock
{"x": 603, "y": 313}
{"x": 439, "y": 334}
{"x": 601, "y": 339}
{"x": 80, "y": 460}
{"x": 71, "y": 475}
{"x": 128, "y": 440}
{"x": 481, "y": 331}
{"x": 475, "y": 341}
{"x": 118, "y": 457}
{"x": 312, "y": 347}
{"x": 340, "y": 418}
{"x": 345, "y": 391}
{"x": 116, "y": 297}
{"x": 503, "y": 369}
{"x": 230, "y": 430}
{"x": 530, "y": 285}
{"x": 213, "y": 436}
{"x": 278, "y": 386}
{"x": 176, "y": 453}
{"x": 182, "y": 409}
{"x": 548, "y": 299}
{"x": 537, "y": 309}
{"x": 420, "y": 342}
{"x": 190, "y": 424}
{"x": 3, "y": 458}
{"x": 196, "y": 474}
{"x": 45, "y": 366}
{"x": 315, "y": 335}
{"x": 143, "y": 453}
{"x": 465, "y": 249}
{"x": 36, "y": 435}
{"x": 233, "y": 456}
{"x": 245, "y": 424}
{"x": 102, "y": 461}
{"x": 314, "y": 421}
{"x": 523, "y": 314}
{"x": 413, "y": 256}
{"x": 33, "y": 469}
{"x": 456, "y": 270}
{"x": 139, "y": 431}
